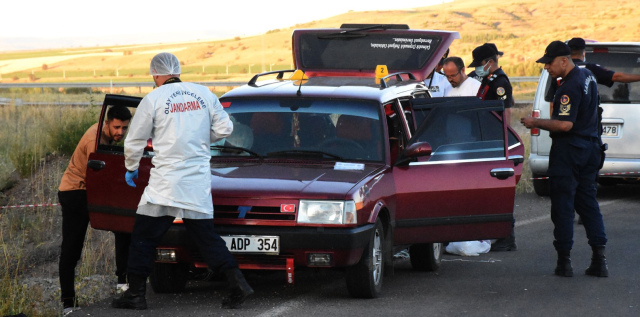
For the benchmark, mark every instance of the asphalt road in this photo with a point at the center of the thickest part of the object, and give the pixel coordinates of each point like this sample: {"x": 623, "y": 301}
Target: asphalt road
{"x": 518, "y": 283}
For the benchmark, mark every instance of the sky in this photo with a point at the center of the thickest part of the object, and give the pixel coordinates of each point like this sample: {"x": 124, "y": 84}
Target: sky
{"x": 30, "y": 24}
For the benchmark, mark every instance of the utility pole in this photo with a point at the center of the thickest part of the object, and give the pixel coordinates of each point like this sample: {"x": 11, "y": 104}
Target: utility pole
{"x": 250, "y": 68}
{"x": 263, "y": 53}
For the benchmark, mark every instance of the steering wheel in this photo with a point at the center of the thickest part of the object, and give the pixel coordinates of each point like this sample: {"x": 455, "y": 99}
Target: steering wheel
{"x": 344, "y": 144}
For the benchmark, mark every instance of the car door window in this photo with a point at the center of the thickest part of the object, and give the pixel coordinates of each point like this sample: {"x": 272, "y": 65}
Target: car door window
{"x": 625, "y": 62}
{"x": 463, "y": 130}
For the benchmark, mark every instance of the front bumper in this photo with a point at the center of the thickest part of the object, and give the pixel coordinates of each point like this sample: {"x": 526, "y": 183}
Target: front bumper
{"x": 344, "y": 244}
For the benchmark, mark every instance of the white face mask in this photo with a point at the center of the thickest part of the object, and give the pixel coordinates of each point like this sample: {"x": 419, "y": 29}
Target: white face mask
{"x": 480, "y": 70}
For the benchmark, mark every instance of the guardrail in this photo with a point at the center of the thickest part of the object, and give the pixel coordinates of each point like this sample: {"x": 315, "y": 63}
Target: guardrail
{"x": 117, "y": 84}
{"x": 6, "y": 101}
{"x": 151, "y": 84}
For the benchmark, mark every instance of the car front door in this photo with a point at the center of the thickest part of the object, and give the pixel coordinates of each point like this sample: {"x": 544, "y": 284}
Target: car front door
{"x": 465, "y": 189}
{"x": 112, "y": 203}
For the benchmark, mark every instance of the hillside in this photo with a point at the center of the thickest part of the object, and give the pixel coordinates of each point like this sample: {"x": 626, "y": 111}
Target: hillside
{"x": 520, "y": 28}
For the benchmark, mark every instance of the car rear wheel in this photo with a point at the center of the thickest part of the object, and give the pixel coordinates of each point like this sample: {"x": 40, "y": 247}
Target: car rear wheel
{"x": 541, "y": 186}
{"x": 364, "y": 280}
{"x": 169, "y": 277}
{"x": 604, "y": 181}
{"x": 426, "y": 256}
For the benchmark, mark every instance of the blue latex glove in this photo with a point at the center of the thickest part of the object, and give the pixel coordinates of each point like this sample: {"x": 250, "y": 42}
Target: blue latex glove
{"x": 129, "y": 176}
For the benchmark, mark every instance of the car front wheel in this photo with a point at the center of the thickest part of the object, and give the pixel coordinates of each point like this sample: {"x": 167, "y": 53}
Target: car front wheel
{"x": 364, "y": 280}
{"x": 426, "y": 256}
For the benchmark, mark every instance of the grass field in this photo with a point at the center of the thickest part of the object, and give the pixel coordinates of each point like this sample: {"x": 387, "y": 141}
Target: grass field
{"x": 520, "y": 28}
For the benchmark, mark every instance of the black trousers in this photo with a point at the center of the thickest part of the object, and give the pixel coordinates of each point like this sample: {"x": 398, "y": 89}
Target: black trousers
{"x": 148, "y": 231}
{"x": 75, "y": 219}
{"x": 573, "y": 167}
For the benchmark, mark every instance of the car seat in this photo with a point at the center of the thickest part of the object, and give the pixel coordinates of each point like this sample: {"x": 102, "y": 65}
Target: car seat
{"x": 270, "y": 132}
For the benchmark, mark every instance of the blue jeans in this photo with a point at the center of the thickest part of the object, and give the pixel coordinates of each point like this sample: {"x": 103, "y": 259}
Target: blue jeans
{"x": 573, "y": 167}
{"x": 148, "y": 231}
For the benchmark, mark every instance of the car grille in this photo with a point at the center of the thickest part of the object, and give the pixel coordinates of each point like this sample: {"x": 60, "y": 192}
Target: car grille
{"x": 256, "y": 212}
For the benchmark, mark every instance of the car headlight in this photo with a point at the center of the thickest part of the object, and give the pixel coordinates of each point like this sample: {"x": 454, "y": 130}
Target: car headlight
{"x": 327, "y": 212}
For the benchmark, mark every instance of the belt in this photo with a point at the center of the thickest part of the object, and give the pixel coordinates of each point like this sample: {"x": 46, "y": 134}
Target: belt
{"x": 576, "y": 136}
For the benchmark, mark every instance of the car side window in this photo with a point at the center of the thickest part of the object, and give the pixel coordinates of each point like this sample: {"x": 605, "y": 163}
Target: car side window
{"x": 454, "y": 134}
{"x": 115, "y": 127}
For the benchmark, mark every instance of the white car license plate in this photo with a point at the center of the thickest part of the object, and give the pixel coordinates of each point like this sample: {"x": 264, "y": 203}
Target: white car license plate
{"x": 253, "y": 244}
{"x": 610, "y": 129}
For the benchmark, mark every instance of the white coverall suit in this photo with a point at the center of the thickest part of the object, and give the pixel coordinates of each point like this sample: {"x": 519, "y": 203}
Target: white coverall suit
{"x": 182, "y": 119}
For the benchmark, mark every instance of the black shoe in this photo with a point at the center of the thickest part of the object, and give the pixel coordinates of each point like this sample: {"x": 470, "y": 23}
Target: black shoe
{"x": 134, "y": 297}
{"x": 505, "y": 244}
{"x": 563, "y": 267}
{"x": 598, "y": 265}
{"x": 239, "y": 289}
{"x": 69, "y": 305}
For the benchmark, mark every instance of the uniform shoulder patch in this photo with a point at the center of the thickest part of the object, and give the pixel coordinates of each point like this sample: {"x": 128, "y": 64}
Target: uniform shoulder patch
{"x": 564, "y": 99}
{"x": 500, "y": 91}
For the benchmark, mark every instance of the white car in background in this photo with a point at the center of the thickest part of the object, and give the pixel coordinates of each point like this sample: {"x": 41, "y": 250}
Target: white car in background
{"x": 621, "y": 118}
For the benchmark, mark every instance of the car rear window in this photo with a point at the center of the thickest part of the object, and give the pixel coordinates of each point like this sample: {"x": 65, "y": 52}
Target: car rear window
{"x": 349, "y": 129}
{"x": 618, "y": 62}
{"x": 397, "y": 51}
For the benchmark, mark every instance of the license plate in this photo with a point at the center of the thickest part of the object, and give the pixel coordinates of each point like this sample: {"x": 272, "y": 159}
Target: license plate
{"x": 253, "y": 244}
{"x": 610, "y": 129}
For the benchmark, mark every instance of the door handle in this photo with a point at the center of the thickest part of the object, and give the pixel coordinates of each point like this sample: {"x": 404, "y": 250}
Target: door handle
{"x": 516, "y": 159}
{"x": 502, "y": 173}
{"x": 96, "y": 165}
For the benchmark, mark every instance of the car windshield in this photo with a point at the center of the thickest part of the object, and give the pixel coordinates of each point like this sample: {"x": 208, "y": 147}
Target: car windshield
{"x": 618, "y": 62}
{"x": 303, "y": 129}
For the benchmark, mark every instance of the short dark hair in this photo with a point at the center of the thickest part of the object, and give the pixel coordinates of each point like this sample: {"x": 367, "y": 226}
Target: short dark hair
{"x": 577, "y": 52}
{"x": 456, "y": 60}
{"x": 119, "y": 112}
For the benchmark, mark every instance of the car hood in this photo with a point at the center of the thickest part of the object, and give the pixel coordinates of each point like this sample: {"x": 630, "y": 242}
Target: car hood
{"x": 285, "y": 180}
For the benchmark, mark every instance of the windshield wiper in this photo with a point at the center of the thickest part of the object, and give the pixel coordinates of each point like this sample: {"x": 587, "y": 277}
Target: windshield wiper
{"x": 229, "y": 148}
{"x": 353, "y": 33}
{"x": 304, "y": 153}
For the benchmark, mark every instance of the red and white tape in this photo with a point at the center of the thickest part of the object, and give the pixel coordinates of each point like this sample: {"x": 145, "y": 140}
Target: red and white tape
{"x": 27, "y": 206}
{"x": 603, "y": 174}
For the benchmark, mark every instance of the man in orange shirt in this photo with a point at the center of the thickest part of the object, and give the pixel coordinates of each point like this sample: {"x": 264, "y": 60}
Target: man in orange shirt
{"x": 72, "y": 196}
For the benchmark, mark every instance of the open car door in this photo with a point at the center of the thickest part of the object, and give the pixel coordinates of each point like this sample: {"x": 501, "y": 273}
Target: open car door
{"x": 112, "y": 203}
{"x": 465, "y": 189}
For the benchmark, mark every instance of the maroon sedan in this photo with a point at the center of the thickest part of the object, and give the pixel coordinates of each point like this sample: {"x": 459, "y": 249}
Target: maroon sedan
{"x": 340, "y": 167}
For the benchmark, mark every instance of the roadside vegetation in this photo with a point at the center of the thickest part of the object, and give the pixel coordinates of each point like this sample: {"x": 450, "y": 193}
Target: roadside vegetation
{"x": 36, "y": 143}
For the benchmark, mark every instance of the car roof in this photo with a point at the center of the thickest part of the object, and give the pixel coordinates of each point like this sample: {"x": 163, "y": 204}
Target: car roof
{"x": 328, "y": 87}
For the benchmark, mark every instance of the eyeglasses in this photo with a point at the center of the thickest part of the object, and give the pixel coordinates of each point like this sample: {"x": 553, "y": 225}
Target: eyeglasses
{"x": 452, "y": 76}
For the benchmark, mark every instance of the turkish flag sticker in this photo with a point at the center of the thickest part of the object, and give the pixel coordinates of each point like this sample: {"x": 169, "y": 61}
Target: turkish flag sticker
{"x": 288, "y": 208}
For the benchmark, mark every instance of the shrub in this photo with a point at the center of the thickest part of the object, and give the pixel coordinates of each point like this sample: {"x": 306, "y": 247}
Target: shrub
{"x": 45, "y": 66}
{"x": 32, "y": 77}
{"x": 65, "y": 132}
{"x": 15, "y": 78}
{"x": 237, "y": 38}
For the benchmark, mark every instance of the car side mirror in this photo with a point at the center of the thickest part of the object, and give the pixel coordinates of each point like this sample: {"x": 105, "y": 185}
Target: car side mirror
{"x": 418, "y": 149}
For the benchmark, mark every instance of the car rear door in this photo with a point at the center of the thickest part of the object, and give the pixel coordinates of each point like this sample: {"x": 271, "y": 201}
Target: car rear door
{"x": 621, "y": 104}
{"x": 112, "y": 203}
{"x": 465, "y": 189}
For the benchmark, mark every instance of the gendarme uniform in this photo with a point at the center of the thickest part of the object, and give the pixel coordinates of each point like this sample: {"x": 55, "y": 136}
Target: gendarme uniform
{"x": 574, "y": 160}
{"x": 497, "y": 87}
{"x": 602, "y": 75}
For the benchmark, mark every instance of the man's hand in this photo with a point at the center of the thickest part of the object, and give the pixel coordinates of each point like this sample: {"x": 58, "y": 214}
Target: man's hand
{"x": 129, "y": 176}
{"x": 528, "y": 122}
